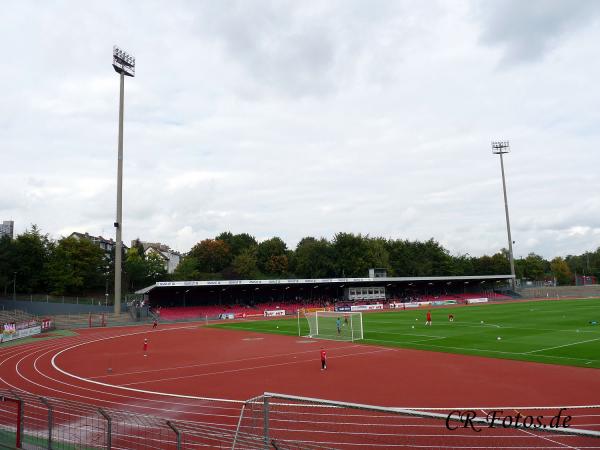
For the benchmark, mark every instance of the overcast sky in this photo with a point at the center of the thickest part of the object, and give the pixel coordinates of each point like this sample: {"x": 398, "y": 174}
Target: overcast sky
{"x": 306, "y": 118}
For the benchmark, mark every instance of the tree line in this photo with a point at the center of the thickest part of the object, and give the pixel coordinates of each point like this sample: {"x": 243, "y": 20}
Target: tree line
{"x": 241, "y": 256}
{"x": 34, "y": 263}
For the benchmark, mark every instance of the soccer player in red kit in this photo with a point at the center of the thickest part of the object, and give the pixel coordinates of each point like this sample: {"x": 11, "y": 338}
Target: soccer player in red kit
{"x": 428, "y": 318}
{"x": 145, "y": 347}
{"x": 154, "y": 324}
{"x": 323, "y": 359}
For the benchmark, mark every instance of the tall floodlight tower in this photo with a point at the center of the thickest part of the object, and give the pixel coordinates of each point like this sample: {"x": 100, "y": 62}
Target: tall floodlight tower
{"x": 124, "y": 65}
{"x": 500, "y": 148}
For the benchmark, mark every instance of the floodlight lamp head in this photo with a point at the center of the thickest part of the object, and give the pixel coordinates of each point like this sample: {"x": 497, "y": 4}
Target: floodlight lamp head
{"x": 499, "y": 147}
{"x": 123, "y": 62}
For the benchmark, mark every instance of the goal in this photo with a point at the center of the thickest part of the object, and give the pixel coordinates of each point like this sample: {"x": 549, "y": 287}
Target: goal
{"x": 324, "y": 325}
{"x": 96, "y": 320}
{"x": 288, "y": 422}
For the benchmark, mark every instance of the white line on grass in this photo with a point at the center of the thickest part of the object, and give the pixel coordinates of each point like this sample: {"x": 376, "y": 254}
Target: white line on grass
{"x": 479, "y": 350}
{"x": 561, "y": 346}
{"x": 406, "y": 342}
{"x": 401, "y": 333}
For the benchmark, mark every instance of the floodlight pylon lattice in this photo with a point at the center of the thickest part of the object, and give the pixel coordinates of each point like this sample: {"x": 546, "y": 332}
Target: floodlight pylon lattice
{"x": 500, "y": 147}
{"x": 123, "y": 62}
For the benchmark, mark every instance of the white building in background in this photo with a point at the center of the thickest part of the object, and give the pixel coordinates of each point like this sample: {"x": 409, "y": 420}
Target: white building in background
{"x": 7, "y": 228}
{"x": 170, "y": 257}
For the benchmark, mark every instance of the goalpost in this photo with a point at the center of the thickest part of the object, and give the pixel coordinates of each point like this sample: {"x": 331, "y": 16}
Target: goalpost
{"x": 324, "y": 325}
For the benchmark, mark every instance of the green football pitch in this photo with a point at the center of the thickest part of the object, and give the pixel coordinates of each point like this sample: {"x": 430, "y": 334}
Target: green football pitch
{"x": 563, "y": 332}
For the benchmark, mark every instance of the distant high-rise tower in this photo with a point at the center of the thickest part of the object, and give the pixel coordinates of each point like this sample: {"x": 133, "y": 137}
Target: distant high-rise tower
{"x": 7, "y": 228}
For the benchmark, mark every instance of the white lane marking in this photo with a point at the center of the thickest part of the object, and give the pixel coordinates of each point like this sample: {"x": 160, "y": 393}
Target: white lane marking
{"x": 243, "y": 369}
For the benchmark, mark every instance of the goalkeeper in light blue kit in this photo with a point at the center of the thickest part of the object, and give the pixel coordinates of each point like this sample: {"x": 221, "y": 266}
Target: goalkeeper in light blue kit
{"x": 338, "y": 324}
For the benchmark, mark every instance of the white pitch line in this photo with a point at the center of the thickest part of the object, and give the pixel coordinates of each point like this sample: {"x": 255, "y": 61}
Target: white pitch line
{"x": 561, "y": 346}
{"x": 496, "y": 351}
{"x": 406, "y": 342}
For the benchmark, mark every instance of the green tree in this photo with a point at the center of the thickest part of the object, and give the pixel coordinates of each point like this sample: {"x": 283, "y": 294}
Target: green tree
{"x": 30, "y": 258}
{"x": 277, "y": 265}
{"x": 7, "y": 257}
{"x": 432, "y": 259}
{"x": 377, "y": 255}
{"x": 313, "y": 258}
{"x": 155, "y": 268}
{"x": 245, "y": 265}
{"x": 350, "y": 251}
{"x": 463, "y": 265}
{"x": 135, "y": 269}
{"x": 501, "y": 262}
{"x": 187, "y": 269}
{"x": 268, "y": 249}
{"x": 401, "y": 256}
{"x": 534, "y": 267}
{"x": 212, "y": 255}
{"x": 237, "y": 242}
{"x": 561, "y": 271}
{"x": 75, "y": 266}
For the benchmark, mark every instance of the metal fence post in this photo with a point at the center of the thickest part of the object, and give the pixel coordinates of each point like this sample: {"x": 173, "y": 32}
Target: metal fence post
{"x": 108, "y": 430}
{"x": 50, "y": 421}
{"x": 20, "y": 419}
{"x": 266, "y": 421}
{"x": 237, "y": 429}
{"x": 177, "y": 432}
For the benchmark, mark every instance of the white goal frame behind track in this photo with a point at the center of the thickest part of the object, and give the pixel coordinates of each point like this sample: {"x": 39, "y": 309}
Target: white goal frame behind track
{"x": 261, "y": 417}
{"x": 356, "y": 323}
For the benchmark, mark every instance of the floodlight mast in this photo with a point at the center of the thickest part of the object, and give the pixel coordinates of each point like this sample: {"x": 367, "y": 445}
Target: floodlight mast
{"x": 500, "y": 148}
{"x": 124, "y": 65}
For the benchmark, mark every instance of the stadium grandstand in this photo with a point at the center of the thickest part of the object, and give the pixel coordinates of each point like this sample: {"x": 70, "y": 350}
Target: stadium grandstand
{"x": 187, "y": 299}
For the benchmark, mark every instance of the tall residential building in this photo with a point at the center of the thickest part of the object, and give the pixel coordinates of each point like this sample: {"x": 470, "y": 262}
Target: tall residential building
{"x": 7, "y": 228}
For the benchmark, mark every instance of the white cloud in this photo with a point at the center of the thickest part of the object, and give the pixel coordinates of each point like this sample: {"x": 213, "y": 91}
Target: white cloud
{"x": 295, "y": 119}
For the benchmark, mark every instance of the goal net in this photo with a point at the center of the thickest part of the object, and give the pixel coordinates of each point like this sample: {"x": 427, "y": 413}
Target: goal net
{"x": 96, "y": 320}
{"x": 340, "y": 326}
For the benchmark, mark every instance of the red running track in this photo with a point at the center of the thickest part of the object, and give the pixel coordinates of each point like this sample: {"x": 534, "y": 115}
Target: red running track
{"x": 188, "y": 365}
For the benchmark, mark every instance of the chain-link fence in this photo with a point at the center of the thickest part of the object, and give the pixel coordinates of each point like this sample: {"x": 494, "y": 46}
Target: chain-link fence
{"x": 32, "y": 422}
{"x": 284, "y": 422}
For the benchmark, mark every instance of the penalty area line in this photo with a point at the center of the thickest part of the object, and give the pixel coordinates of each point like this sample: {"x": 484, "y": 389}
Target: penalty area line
{"x": 562, "y": 346}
